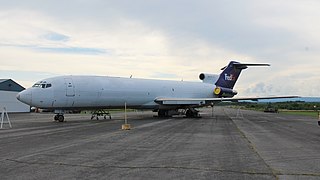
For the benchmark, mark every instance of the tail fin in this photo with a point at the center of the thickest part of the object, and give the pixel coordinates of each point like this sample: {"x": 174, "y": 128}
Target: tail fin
{"x": 230, "y": 73}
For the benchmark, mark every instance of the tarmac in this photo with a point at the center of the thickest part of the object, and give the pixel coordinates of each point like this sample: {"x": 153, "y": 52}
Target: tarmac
{"x": 226, "y": 144}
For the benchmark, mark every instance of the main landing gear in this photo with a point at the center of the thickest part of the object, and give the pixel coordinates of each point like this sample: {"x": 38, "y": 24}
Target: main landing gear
{"x": 189, "y": 113}
{"x": 163, "y": 113}
{"x": 192, "y": 113}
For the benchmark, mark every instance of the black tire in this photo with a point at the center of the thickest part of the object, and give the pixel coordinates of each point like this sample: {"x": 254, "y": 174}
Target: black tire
{"x": 60, "y": 118}
{"x": 189, "y": 113}
{"x": 162, "y": 113}
{"x": 192, "y": 114}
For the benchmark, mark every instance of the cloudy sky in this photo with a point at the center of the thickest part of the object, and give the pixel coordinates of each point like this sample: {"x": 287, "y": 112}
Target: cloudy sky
{"x": 161, "y": 39}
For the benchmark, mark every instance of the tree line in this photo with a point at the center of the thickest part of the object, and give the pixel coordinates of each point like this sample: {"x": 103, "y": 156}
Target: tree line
{"x": 297, "y": 105}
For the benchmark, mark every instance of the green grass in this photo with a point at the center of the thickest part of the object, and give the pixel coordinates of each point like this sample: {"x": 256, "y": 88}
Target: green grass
{"x": 301, "y": 113}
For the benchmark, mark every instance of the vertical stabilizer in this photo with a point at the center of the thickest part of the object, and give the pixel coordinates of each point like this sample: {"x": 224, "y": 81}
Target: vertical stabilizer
{"x": 231, "y": 73}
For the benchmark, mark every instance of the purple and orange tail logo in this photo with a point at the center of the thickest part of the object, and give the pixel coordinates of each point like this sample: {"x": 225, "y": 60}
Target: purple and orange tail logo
{"x": 230, "y": 77}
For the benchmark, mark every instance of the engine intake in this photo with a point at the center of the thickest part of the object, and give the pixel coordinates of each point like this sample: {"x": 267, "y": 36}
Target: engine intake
{"x": 208, "y": 78}
{"x": 224, "y": 92}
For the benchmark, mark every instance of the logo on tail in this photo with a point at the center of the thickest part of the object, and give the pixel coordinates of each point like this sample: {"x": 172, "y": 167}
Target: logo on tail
{"x": 230, "y": 77}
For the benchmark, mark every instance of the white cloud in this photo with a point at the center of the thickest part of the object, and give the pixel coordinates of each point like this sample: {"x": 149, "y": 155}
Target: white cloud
{"x": 173, "y": 41}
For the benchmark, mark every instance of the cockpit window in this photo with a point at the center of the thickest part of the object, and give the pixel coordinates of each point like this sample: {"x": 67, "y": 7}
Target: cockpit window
{"x": 36, "y": 85}
{"x": 48, "y": 85}
{"x": 42, "y": 84}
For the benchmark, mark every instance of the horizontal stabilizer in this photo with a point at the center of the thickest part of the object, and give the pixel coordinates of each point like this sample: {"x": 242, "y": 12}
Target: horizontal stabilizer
{"x": 252, "y": 64}
{"x": 245, "y": 65}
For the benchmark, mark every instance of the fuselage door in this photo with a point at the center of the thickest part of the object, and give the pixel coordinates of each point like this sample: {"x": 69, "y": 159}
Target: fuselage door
{"x": 69, "y": 87}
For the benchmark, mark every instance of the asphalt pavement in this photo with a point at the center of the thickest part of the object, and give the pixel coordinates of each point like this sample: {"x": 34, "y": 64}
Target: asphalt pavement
{"x": 226, "y": 144}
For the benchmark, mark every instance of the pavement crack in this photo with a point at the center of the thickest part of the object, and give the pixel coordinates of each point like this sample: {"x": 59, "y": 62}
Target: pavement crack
{"x": 163, "y": 167}
{"x": 52, "y": 163}
{"x": 138, "y": 167}
{"x": 275, "y": 173}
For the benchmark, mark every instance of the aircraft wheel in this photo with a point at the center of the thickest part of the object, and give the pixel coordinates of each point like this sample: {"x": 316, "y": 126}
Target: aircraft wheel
{"x": 56, "y": 118}
{"x": 162, "y": 113}
{"x": 192, "y": 114}
{"x": 60, "y": 118}
{"x": 189, "y": 113}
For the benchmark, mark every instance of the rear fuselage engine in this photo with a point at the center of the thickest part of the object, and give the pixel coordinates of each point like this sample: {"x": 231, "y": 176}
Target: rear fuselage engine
{"x": 224, "y": 92}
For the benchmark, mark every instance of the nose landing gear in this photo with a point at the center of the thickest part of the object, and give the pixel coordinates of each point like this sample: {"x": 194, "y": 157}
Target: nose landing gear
{"x": 59, "y": 117}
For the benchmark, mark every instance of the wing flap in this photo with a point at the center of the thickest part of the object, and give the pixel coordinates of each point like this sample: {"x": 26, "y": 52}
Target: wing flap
{"x": 208, "y": 101}
{"x": 180, "y": 101}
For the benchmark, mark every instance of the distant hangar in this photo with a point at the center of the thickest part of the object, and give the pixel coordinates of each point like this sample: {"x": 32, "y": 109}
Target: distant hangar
{"x": 8, "y": 92}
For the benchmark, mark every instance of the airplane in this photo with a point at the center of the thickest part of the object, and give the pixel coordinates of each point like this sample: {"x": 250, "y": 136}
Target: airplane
{"x": 166, "y": 97}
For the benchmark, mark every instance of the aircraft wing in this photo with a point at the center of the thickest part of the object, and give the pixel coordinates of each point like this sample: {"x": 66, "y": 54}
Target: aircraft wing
{"x": 209, "y": 101}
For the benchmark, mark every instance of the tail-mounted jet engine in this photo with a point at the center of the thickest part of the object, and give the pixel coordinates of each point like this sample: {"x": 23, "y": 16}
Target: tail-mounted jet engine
{"x": 224, "y": 92}
{"x": 209, "y": 78}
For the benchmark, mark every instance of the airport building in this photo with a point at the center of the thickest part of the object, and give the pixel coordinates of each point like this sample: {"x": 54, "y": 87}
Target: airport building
{"x": 8, "y": 92}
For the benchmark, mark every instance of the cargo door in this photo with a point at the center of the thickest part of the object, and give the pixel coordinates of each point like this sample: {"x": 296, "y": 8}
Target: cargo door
{"x": 69, "y": 87}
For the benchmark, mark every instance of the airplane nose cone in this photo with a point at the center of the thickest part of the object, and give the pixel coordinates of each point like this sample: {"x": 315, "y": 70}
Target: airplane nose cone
{"x": 25, "y": 97}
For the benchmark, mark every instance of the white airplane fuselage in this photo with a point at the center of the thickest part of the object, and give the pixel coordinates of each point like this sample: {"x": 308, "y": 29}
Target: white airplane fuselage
{"x": 166, "y": 97}
{"x": 93, "y": 92}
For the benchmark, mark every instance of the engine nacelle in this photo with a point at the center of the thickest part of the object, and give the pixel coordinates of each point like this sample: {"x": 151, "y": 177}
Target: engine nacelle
{"x": 209, "y": 78}
{"x": 224, "y": 92}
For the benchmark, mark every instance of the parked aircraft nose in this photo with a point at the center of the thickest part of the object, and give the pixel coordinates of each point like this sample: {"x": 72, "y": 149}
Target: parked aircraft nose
{"x": 25, "y": 97}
